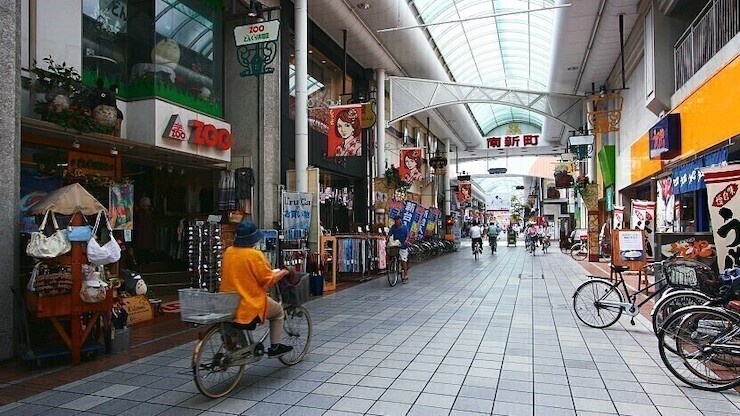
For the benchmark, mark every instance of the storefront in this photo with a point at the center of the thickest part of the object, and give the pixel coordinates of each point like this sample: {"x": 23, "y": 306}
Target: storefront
{"x": 333, "y": 79}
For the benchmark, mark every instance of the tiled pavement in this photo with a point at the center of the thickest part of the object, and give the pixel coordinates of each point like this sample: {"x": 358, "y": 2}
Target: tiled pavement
{"x": 461, "y": 338}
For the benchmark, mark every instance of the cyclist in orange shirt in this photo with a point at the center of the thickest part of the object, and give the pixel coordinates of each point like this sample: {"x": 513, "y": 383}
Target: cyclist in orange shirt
{"x": 245, "y": 270}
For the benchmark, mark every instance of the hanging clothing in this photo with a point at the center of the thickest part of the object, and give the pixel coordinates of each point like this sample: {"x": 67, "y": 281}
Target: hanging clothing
{"x": 226, "y": 191}
{"x": 244, "y": 181}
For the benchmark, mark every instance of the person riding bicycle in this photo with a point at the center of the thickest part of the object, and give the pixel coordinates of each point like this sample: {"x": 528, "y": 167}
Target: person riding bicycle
{"x": 398, "y": 232}
{"x": 476, "y": 234}
{"x": 531, "y": 234}
{"x": 245, "y": 270}
{"x": 493, "y": 231}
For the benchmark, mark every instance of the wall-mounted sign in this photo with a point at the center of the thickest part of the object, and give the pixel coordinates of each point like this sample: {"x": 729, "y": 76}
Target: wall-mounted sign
{"x": 522, "y": 140}
{"x": 257, "y": 33}
{"x": 201, "y": 134}
{"x": 175, "y": 129}
{"x": 92, "y": 164}
{"x": 665, "y": 138}
{"x": 497, "y": 171}
{"x": 368, "y": 115}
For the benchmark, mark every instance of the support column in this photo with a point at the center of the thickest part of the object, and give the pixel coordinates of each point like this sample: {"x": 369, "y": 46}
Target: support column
{"x": 380, "y": 125}
{"x": 301, "y": 95}
{"x": 10, "y": 142}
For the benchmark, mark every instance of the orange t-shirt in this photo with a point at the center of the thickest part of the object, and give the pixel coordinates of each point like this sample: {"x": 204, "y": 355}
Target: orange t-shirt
{"x": 247, "y": 272}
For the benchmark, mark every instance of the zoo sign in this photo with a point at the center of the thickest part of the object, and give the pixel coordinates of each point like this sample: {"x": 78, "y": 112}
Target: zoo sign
{"x": 257, "y": 33}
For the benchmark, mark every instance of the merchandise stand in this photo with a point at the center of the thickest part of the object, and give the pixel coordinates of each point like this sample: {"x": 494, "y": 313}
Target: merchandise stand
{"x": 367, "y": 251}
{"x": 327, "y": 247}
{"x": 70, "y": 306}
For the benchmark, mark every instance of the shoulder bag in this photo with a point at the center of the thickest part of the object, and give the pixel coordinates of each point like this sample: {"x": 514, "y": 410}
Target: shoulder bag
{"x": 79, "y": 233}
{"x": 109, "y": 252}
{"x": 42, "y": 247}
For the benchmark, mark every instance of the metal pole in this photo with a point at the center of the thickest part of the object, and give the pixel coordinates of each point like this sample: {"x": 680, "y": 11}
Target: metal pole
{"x": 380, "y": 124}
{"x": 447, "y": 208}
{"x": 301, "y": 95}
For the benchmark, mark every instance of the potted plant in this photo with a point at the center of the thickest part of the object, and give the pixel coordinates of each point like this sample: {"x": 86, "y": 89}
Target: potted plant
{"x": 563, "y": 179}
{"x": 393, "y": 180}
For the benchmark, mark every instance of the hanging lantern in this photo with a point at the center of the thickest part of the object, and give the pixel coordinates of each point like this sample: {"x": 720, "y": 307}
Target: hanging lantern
{"x": 438, "y": 162}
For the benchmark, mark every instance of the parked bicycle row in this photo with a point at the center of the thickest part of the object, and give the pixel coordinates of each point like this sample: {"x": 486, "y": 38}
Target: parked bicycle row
{"x": 696, "y": 318}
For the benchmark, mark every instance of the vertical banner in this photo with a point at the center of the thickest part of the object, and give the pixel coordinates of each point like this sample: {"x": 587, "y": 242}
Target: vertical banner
{"x": 665, "y": 206}
{"x": 637, "y": 219}
{"x": 407, "y": 215}
{"x": 464, "y": 193}
{"x": 723, "y": 185}
{"x": 411, "y": 161}
{"x": 432, "y": 218}
{"x": 618, "y": 220}
{"x": 345, "y": 132}
{"x": 416, "y": 222}
{"x": 422, "y": 232}
{"x": 121, "y": 206}
{"x": 649, "y": 228}
{"x": 677, "y": 210}
{"x": 296, "y": 215}
{"x": 394, "y": 210}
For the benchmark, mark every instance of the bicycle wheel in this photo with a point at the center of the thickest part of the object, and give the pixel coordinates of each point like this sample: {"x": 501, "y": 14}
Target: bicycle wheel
{"x": 391, "y": 271}
{"x": 296, "y": 333}
{"x": 586, "y": 303}
{"x": 475, "y": 253}
{"x": 212, "y": 373}
{"x": 707, "y": 347}
{"x": 672, "y": 302}
{"x": 579, "y": 252}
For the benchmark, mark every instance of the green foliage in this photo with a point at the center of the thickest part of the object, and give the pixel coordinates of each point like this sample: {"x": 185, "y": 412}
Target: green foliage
{"x": 517, "y": 210}
{"x": 393, "y": 179}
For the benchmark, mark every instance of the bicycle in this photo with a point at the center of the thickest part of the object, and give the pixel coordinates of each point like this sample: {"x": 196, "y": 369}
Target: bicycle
{"x": 579, "y": 251}
{"x": 545, "y": 241}
{"x": 477, "y": 249}
{"x": 531, "y": 245}
{"x": 599, "y": 303}
{"x": 393, "y": 268}
{"x": 218, "y": 360}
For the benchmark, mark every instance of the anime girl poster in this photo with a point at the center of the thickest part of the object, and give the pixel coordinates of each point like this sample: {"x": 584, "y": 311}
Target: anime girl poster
{"x": 410, "y": 164}
{"x": 121, "y": 206}
{"x": 464, "y": 192}
{"x": 345, "y": 132}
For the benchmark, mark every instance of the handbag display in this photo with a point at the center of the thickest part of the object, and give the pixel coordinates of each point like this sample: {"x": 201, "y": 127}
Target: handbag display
{"x": 79, "y": 233}
{"x": 93, "y": 289}
{"x": 52, "y": 281}
{"x": 42, "y": 246}
{"x": 109, "y": 252}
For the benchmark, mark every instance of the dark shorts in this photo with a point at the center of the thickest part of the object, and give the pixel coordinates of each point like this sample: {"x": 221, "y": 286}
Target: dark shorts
{"x": 478, "y": 241}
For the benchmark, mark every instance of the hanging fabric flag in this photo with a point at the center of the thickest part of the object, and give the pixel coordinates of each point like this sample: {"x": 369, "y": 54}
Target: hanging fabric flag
{"x": 618, "y": 220}
{"x": 665, "y": 205}
{"x": 723, "y": 185}
{"x": 411, "y": 161}
{"x": 345, "y": 133}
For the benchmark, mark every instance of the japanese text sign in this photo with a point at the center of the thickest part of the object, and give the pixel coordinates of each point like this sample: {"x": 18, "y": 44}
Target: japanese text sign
{"x": 523, "y": 140}
{"x": 257, "y": 33}
{"x": 723, "y": 184}
{"x": 296, "y": 214}
{"x": 407, "y": 215}
{"x": 665, "y": 138}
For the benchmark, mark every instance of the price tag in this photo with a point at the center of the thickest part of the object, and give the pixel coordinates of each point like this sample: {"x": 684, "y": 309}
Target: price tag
{"x": 214, "y": 219}
{"x": 127, "y": 234}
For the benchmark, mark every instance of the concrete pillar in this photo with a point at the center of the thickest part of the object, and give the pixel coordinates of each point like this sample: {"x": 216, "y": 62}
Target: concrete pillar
{"x": 380, "y": 125}
{"x": 301, "y": 95}
{"x": 10, "y": 142}
{"x": 448, "y": 172}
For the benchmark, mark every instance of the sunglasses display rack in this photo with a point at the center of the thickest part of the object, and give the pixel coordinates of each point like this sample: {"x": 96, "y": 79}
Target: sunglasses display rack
{"x": 205, "y": 251}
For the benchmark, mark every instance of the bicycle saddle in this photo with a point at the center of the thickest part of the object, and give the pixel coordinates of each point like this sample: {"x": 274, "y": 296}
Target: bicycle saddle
{"x": 248, "y": 327}
{"x": 619, "y": 269}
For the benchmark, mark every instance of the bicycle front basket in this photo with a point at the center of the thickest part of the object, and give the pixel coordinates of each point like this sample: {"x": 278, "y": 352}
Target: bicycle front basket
{"x": 686, "y": 274}
{"x": 393, "y": 251}
{"x": 295, "y": 294}
{"x": 199, "y": 306}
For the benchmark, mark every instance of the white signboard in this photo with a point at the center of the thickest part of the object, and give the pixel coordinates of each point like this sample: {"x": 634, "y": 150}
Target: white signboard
{"x": 498, "y": 202}
{"x": 630, "y": 240}
{"x": 723, "y": 186}
{"x": 257, "y": 33}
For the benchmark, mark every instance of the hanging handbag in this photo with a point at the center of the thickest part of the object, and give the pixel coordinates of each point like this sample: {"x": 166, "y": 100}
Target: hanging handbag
{"x": 109, "y": 252}
{"x": 79, "y": 233}
{"x": 93, "y": 288}
{"x": 42, "y": 247}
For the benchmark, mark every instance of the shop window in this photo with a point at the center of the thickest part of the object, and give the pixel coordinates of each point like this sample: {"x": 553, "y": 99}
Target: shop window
{"x": 324, "y": 88}
{"x": 165, "y": 48}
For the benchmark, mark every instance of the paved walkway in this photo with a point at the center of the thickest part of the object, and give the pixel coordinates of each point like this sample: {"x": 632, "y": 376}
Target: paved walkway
{"x": 497, "y": 336}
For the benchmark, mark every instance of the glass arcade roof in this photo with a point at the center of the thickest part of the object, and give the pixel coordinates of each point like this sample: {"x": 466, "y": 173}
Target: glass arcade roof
{"x": 510, "y": 51}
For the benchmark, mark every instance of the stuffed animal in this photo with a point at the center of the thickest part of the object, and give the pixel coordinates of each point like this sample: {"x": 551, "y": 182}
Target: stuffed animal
{"x": 102, "y": 103}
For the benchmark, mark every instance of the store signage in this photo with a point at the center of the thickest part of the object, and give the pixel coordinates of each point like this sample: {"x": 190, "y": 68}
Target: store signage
{"x": 665, "y": 138}
{"x": 497, "y": 171}
{"x": 175, "y": 129}
{"x": 138, "y": 308}
{"x": 201, "y": 134}
{"x": 522, "y": 140}
{"x": 91, "y": 164}
{"x": 257, "y": 33}
{"x": 723, "y": 184}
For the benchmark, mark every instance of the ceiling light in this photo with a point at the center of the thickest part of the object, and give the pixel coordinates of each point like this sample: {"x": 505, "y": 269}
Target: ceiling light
{"x": 252, "y": 12}
{"x": 75, "y": 144}
{"x": 323, "y": 61}
{"x": 113, "y": 150}
{"x": 572, "y": 68}
{"x": 310, "y": 51}
{"x": 364, "y": 5}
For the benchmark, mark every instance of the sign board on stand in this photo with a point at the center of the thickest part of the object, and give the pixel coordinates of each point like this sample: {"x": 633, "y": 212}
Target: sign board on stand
{"x": 628, "y": 249}
{"x": 138, "y": 308}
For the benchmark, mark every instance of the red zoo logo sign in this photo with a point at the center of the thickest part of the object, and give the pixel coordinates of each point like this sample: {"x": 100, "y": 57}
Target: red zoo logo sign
{"x": 208, "y": 135}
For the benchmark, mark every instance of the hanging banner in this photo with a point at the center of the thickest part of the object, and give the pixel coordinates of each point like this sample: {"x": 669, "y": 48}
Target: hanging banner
{"x": 432, "y": 218}
{"x": 407, "y": 215}
{"x": 665, "y": 214}
{"x": 465, "y": 192}
{"x": 121, "y": 206}
{"x": 422, "y": 223}
{"x": 643, "y": 218}
{"x": 618, "y": 220}
{"x": 345, "y": 132}
{"x": 723, "y": 185}
{"x": 296, "y": 215}
{"x": 411, "y": 161}
{"x": 498, "y": 202}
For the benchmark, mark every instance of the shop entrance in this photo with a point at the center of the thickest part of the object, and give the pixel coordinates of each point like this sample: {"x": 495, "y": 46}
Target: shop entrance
{"x": 338, "y": 202}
